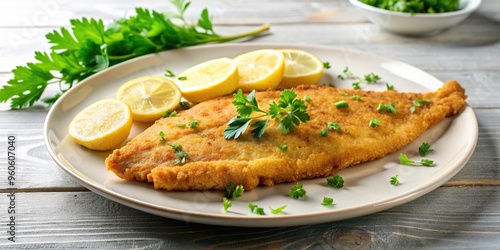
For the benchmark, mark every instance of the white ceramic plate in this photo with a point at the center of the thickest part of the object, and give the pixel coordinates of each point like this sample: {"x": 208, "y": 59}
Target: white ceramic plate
{"x": 367, "y": 189}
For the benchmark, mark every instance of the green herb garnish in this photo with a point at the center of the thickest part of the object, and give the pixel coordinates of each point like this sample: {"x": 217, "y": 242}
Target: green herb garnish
{"x": 327, "y": 201}
{"x": 182, "y": 78}
{"x": 193, "y": 123}
{"x": 277, "y": 210}
{"x": 181, "y": 154}
{"x": 356, "y": 97}
{"x": 283, "y": 147}
{"x": 289, "y": 112}
{"x": 326, "y": 65}
{"x": 185, "y": 105}
{"x": 394, "y": 180}
{"x": 389, "y": 87}
{"x": 297, "y": 191}
{"x": 333, "y": 126}
{"x": 346, "y": 74}
{"x": 374, "y": 123}
{"x": 88, "y": 47}
{"x": 169, "y": 73}
{"x": 355, "y": 85}
{"x": 256, "y": 209}
{"x": 162, "y": 136}
{"x": 336, "y": 181}
{"x": 167, "y": 113}
{"x": 403, "y": 159}
{"x": 390, "y": 108}
{"x": 227, "y": 203}
{"x": 424, "y": 149}
{"x": 372, "y": 78}
{"x": 323, "y": 133}
{"x": 234, "y": 191}
{"x": 341, "y": 104}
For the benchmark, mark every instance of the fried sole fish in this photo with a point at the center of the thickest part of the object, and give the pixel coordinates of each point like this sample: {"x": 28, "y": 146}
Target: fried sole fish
{"x": 213, "y": 162}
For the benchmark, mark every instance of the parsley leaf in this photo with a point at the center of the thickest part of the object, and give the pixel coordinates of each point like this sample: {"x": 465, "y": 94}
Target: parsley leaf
{"x": 403, "y": 159}
{"x": 185, "y": 105}
{"x": 424, "y": 149}
{"x": 326, "y": 65}
{"x": 374, "y": 123}
{"x": 327, "y": 201}
{"x": 181, "y": 154}
{"x": 390, "y": 108}
{"x": 335, "y": 181}
{"x": 233, "y": 191}
{"x": 89, "y": 46}
{"x": 256, "y": 209}
{"x": 193, "y": 124}
{"x": 389, "y": 87}
{"x": 227, "y": 203}
{"x": 169, "y": 73}
{"x": 297, "y": 191}
{"x": 341, "y": 104}
{"x": 278, "y": 210}
{"x": 283, "y": 147}
{"x": 372, "y": 78}
{"x": 162, "y": 136}
{"x": 394, "y": 180}
{"x": 289, "y": 112}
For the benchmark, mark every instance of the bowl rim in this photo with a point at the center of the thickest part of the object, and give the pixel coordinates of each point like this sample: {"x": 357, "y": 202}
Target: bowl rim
{"x": 470, "y": 6}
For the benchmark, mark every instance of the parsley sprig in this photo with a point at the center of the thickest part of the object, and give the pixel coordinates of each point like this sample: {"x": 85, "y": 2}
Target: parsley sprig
{"x": 403, "y": 159}
{"x": 89, "y": 47}
{"x": 289, "y": 112}
{"x": 297, "y": 191}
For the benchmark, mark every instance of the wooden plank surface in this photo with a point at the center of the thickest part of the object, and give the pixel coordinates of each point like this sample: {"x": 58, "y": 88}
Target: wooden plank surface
{"x": 54, "y": 211}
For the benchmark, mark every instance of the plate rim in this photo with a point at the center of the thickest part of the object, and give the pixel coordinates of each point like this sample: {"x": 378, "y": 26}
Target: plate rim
{"x": 262, "y": 221}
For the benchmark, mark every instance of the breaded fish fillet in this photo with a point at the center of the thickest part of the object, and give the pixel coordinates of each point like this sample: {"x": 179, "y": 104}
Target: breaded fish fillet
{"x": 214, "y": 162}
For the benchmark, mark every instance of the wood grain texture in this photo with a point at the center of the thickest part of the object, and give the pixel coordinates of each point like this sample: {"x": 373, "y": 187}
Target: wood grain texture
{"x": 54, "y": 211}
{"x": 85, "y": 220}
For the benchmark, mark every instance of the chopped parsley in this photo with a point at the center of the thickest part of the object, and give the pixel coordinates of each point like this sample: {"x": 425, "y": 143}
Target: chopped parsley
{"x": 346, "y": 74}
{"x": 333, "y": 126}
{"x": 372, "y": 78}
{"x": 185, "y": 105}
{"x": 283, "y": 147}
{"x": 182, "y": 78}
{"x": 389, "y": 108}
{"x": 193, "y": 123}
{"x": 326, "y": 65}
{"x": 162, "y": 136}
{"x": 181, "y": 154}
{"x": 167, "y": 113}
{"x": 355, "y": 85}
{"x": 234, "y": 191}
{"x": 419, "y": 102}
{"x": 169, "y": 73}
{"x": 307, "y": 99}
{"x": 336, "y": 181}
{"x": 227, "y": 203}
{"x": 256, "y": 209}
{"x": 375, "y": 122}
{"x": 181, "y": 125}
{"x": 297, "y": 191}
{"x": 341, "y": 104}
{"x": 289, "y": 112}
{"x": 356, "y": 97}
{"x": 424, "y": 149}
{"x": 327, "y": 201}
{"x": 403, "y": 159}
{"x": 323, "y": 133}
{"x": 389, "y": 87}
{"x": 394, "y": 180}
{"x": 278, "y": 210}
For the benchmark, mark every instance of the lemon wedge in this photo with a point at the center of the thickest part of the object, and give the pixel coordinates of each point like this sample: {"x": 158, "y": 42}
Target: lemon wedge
{"x": 149, "y": 97}
{"x": 301, "y": 68}
{"x": 103, "y": 125}
{"x": 260, "y": 69}
{"x": 208, "y": 80}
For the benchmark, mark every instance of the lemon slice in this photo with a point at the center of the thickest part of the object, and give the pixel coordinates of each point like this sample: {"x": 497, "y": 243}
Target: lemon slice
{"x": 301, "y": 68}
{"x": 260, "y": 69}
{"x": 103, "y": 125}
{"x": 149, "y": 97}
{"x": 208, "y": 80}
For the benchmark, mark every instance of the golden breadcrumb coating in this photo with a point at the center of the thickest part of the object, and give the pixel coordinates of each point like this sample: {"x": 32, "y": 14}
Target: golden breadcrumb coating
{"x": 214, "y": 162}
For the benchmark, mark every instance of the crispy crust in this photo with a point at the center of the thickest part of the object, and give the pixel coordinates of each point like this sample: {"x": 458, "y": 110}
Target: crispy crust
{"x": 214, "y": 162}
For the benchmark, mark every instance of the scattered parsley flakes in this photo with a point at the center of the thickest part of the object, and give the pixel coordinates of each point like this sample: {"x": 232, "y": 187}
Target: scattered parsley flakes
{"x": 277, "y": 210}
{"x": 327, "y": 201}
{"x": 181, "y": 154}
{"x": 256, "y": 209}
{"x": 333, "y": 126}
{"x": 227, "y": 203}
{"x": 283, "y": 147}
{"x": 182, "y": 78}
{"x": 372, "y": 78}
{"x": 419, "y": 102}
{"x": 394, "y": 180}
{"x": 355, "y": 85}
{"x": 403, "y": 159}
{"x": 412, "y": 109}
{"x": 162, "y": 136}
{"x": 185, "y": 105}
{"x": 341, "y": 104}
{"x": 326, "y": 65}
{"x": 288, "y": 112}
{"x": 234, "y": 191}
{"x": 193, "y": 123}
{"x": 375, "y": 122}
{"x": 297, "y": 191}
{"x": 181, "y": 125}
{"x": 389, "y": 87}
{"x": 424, "y": 149}
{"x": 167, "y": 113}
{"x": 169, "y": 73}
{"x": 356, "y": 97}
{"x": 390, "y": 108}
{"x": 335, "y": 181}
{"x": 307, "y": 99}
{"x": 323, "y": 133}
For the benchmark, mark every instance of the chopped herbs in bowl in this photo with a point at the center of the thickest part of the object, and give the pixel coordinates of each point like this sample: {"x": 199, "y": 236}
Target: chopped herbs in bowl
{"x": 416, "y": 17}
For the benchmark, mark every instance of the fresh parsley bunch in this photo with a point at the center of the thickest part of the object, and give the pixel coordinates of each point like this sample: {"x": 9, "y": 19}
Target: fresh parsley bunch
{"x": 289, "y": 112}
{"x": 89, "y": 47}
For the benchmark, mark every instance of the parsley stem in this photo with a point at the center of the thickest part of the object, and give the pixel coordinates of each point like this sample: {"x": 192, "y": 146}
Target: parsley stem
{"x": 122, "y": 57}
{"x": 253, "y": 32}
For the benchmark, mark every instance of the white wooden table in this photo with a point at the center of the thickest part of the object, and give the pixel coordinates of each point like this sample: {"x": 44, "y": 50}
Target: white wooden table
{"x": 53, "y": 211}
